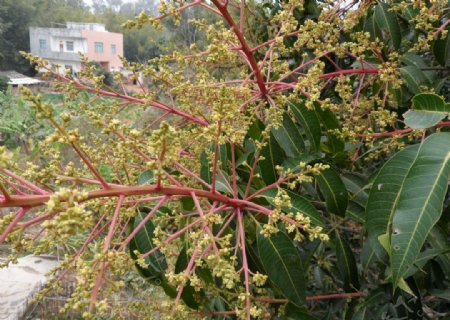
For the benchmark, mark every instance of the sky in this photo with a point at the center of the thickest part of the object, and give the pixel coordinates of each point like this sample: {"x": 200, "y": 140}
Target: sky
{"x": 89, "y": 2}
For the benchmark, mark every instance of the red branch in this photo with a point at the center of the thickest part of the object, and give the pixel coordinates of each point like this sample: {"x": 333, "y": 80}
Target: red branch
{"x": 399, "y": 132}
{"x": 343, "y": 295}
{"x": 348, "y": 71}
{"x": 115, "y": 191}
{"x": 247, "y": 51}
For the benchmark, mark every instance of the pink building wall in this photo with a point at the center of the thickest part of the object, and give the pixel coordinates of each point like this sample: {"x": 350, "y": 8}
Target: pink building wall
{"x": 108, "y": 60}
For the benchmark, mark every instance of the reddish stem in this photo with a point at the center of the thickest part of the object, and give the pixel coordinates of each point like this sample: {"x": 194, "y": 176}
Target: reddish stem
{"x": 244, "y": 263}
{"x": 343, "y": 295}
{"x": 113, "y": 223}
{"x": 143, "y": 222}
{"x": 247, "y": 51}
{"x": 24, "y": 182}
{"x": 19, "y": 215}
{"x": 4, "y": 192}
{"x": 347, "y": 71}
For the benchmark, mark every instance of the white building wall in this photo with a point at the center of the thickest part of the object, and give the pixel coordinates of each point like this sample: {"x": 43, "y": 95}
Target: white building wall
{"x": 79, "y": 45}
{"x": 75, "y": 65}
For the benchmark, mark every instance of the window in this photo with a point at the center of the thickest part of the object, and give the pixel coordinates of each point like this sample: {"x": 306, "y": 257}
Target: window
{"x": 69, "y": 45}
{"x": 68, "y": 67}
{"x": 98, "y": 47}
{"x": 42, "y": 44}
{"x": 113, "y": 49}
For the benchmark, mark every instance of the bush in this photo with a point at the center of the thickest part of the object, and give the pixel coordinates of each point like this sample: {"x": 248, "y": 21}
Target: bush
{"x": 296, "y": 169}
{"x": 108, "y": 78}
{"x": 3, "y": 83}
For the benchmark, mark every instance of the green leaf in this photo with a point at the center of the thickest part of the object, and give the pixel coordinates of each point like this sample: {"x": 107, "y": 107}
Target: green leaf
{"x": 414, "y": 78}
{"x": 420, "y": 202}
{"x": 384, "y": 195}
{"x": 294, "y": 163}
{"x": 223, "y": 183}
{"x": 405, "y": 287}
{"x": 412, "y": 59}
{"x": 444, "y": 294}
{"x": 289, "y": 137}
{"x": 143, "y": 242}
{"x": 334, "y": 191}
{"x": 205, "y": 171}
{"x": 356, "y": 212}
{"x": 310, "y": 123}
{"x": 427, "y": 110}
{"x": 146, "y": 177}
{"x": 438, "y": 240}
{"x": 282, "y": 264}
{"x": 188, "y": 294}
{"x": 293, "y": 312}
{"x": 441, "y": 50}
{"x": 206, "y": 165}
{"x": 299, "y": 204}
{"x": 388, "y": 24}
{"x": 371, "y": 26}
{"x": 357, "y": 187}
{"x": 346, "y": 263}
{"x": 273, "y": 156}
{"x": 360, "y": 314}
{"x": 330, "y": 122}
{"x": 107, "y": 172}
{"x": 423, "y": 258}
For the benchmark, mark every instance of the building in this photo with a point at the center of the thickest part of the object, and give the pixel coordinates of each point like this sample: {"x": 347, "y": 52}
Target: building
{"x": 62, "y": 46}
{"x": 18, "y": 79}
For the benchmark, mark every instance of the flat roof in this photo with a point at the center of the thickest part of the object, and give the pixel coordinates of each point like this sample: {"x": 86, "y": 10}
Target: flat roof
{"x": 16, "y": 78}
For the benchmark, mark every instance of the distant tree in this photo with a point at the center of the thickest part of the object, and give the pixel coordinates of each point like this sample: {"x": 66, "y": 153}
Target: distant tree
{"x": 3, "y": 83}
{"x": 100, "y": 71}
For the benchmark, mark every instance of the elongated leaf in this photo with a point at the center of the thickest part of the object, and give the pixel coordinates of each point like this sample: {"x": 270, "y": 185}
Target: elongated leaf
{"x": 360, "y": 314}
{"x": 205, "y": 169}
{"x": 438, "y": 240}
{"x": 427, "y": 110}
{"x": 294, "y": 163}
{"x": 282, "y": 264}
{"x": 206, "y": 165}
{"x": 299, "y": 204}
{"x": 423, "y": 258}
{"x": 384, "y": 195}
{"x": 146, "y": 177}
{"x": 330, "y": 122}
{"x": 357, "y": 187}
{"x": 444, "y": 294}
{"x": 334, "y": 191}
{"x": 371, "y": 26}
{"x": 420, "y": 203}
{"x": 441, "y": 50}
{"x": 388, "y": 23}
{"x": 310, "y": 123}
{"x": 346, "y": 263}
{"x": 273, "y": 156}
{"x": 414, "y": 78}
{"x": 412, "y": 59}
{"x": 143, "y": 242}
{"x": 356, "y": 212}
{"x": 188, "y": 294}
{"x": 289, "y": 137}
{"x": 293, "y": 312}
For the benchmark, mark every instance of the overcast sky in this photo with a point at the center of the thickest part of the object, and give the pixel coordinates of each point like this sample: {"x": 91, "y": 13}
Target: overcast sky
{"x": 89, "y": 2}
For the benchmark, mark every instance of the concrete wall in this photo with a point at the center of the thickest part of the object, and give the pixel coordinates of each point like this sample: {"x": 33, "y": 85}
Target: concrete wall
{"x": 86, "y": 26}
{"x": 53, "y": 36}
{"x": 83, "y": 40}
{"x": 108, "y": 39}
